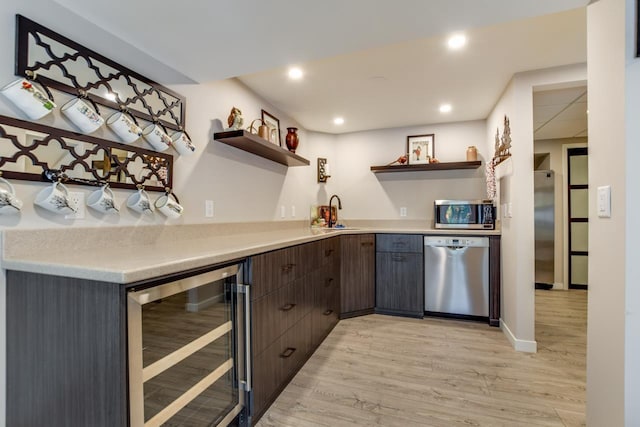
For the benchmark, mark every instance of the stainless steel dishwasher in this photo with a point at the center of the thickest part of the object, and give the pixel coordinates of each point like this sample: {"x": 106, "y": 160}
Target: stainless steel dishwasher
{"x": 456, "y": 275}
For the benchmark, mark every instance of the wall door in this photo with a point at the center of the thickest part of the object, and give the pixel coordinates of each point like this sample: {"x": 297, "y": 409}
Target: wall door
{"x": 578, "y": 218}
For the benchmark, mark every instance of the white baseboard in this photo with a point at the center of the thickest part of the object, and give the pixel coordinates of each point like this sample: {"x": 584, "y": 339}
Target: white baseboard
{"x": 200, "y": 305}
{"x": 519, "y": 345}
{"x": 558, "y": 286}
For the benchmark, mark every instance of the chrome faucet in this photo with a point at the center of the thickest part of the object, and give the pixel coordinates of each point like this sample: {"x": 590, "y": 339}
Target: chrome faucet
{"x": 331, "y": 224}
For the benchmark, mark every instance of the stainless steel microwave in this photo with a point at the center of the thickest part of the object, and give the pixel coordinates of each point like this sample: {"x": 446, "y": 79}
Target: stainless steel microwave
{"x": 467, "y": 214}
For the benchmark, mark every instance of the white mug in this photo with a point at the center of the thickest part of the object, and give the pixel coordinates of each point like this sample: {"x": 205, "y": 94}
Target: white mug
{"x": 156, "y": 137}
{"x": 124, "y": 127}
{"x": 103, "y": 200}
{"x": 182, "y": 143}
{"x": 139, "y": 202}
{"x": 28, "y": 98}
{"x": 55, "y": 198}
{"x": 9, "y": 203}
{"x": 82, "y": 115}
{"x": 169, "y": 206}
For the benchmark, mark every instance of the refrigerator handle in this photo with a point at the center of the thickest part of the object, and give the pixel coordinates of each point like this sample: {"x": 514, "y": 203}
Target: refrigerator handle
{"x": 246, "y": 290}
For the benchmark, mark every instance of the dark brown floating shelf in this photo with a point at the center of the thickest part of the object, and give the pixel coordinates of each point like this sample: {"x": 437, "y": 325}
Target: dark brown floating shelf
{"x": 427, "y": 167}
{"x": 252, "y": 143}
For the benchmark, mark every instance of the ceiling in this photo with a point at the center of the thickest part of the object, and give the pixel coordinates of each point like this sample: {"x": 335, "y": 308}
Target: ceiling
{"x": 560, "y": 113}
{"x": 381, "y": 64}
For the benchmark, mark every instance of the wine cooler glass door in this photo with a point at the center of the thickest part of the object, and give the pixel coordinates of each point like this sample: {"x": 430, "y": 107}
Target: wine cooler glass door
{"x": 188, "y": 360}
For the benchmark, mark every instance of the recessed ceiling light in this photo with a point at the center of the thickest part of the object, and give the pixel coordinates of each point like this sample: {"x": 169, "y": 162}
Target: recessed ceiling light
{"x": 457, "y": 41}
{"x": 338, "y": 121}
{"x": 445, "y": 108}
{"x": 295, "y": 73}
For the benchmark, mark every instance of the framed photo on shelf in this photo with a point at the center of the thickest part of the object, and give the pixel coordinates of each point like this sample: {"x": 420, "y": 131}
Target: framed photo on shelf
{"x": 273, "y": 124}
{"x": 420, "y": 148}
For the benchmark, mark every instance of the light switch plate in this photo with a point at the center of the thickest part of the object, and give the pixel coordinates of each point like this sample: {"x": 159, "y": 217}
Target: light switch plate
{"x": 283, "y": 212}
{"x": 604, "y": 201}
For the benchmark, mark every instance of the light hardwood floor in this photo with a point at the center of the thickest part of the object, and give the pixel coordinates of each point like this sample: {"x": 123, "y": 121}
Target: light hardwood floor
{"x": 390, "y": 371}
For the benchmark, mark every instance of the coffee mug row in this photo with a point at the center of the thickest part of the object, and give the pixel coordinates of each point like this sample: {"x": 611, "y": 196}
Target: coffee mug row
{"x": 55, "y": 198}
{"x": 36, "y": 104}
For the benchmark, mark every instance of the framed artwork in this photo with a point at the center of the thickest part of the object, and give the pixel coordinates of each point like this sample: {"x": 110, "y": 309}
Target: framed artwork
{"x": 420, "y": 148}
{"x": 273, "y": 124}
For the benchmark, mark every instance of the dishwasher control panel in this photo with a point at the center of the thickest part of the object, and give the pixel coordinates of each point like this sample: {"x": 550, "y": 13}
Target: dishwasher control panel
{"x": 457, "y": 241}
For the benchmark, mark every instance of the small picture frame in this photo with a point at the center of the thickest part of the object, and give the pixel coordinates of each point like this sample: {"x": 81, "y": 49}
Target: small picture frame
{"x": 273, "y": 124}
{"x": 420, "y": 148}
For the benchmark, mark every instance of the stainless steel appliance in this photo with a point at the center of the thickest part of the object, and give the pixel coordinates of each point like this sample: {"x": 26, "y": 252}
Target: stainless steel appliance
{"x": 464, "y": 214}
{"x": 456, "y": 275}
{"x": 189, "y": 361}
{"x": 543, "y": 198}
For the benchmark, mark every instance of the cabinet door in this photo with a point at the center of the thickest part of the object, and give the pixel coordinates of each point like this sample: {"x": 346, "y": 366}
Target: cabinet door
{"x": 399, "y": 283}
{"x": 358, "y": 273}
{"x": 325, "y": 313}
{"x": 399, "y": 243}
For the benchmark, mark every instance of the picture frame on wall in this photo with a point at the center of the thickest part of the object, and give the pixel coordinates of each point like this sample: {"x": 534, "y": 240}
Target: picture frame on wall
{"x": 273, "y": 124}
{"x": 420, "y": 148}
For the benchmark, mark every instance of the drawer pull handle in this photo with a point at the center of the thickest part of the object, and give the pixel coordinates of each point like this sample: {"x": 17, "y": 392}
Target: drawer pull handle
{"x": 288, "y": 307}
{"x": 366, "y": 244}
{"x": 327, "y": 312}
{"x": 399, "y": 258}
{"x": 287, "y": 268}
{"x": 328, "y": 281}
{"x": 288, "y": 352}
{"x": 328, "y": 252}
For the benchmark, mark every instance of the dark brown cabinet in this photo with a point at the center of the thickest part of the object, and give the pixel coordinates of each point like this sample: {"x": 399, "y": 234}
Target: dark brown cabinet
{"x": 296, "y": 301}
{"x": 358, "y": 293}
{"x": 399, "y": 275}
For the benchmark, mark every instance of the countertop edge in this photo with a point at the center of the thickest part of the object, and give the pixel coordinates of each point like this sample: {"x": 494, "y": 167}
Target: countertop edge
{"x": 163, "y": 267}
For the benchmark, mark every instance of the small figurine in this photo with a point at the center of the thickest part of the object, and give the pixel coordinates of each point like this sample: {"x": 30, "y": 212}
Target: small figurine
{"x": 235, "y": 120}
{"x": 401, "y": 160}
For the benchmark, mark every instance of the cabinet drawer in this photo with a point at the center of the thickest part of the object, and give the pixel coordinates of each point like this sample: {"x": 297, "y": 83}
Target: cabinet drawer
{"x": 329, "y": 251}
{"x": 279, "y": 361}
{"x": 276, "y": 312}
{"x": 273, "y": 270}
{"x": 326, "y": 310}
{"x": 399, "y": 243}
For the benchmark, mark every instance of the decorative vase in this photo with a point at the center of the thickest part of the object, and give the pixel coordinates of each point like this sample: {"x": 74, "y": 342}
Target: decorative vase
{"x": 292, "y": 139}
{"x": 472, "y": 154}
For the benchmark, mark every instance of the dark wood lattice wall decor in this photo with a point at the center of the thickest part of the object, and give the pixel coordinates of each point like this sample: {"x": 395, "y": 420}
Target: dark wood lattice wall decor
{"x": 41, "y": 152}
{"x": 64, "y": 65}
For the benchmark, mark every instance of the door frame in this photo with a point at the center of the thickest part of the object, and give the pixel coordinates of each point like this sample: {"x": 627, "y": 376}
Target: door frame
{"x": 565, "y": 210}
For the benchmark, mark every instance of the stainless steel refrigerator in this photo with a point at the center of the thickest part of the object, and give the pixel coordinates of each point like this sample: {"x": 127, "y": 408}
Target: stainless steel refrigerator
{"x": 544, "y": 193}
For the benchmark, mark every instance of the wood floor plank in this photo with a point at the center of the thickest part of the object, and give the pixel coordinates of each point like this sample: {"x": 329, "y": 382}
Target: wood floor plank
{"x": 390, "y": 371}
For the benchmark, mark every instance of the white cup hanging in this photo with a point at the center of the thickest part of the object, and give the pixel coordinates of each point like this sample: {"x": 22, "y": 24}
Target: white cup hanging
{"x": 80, "y": 112}
{"x": 32, "y": 101}
{"x": 156, "y": 136}
{"x": 125, "y": 126}
{"x": 182, "y": 143}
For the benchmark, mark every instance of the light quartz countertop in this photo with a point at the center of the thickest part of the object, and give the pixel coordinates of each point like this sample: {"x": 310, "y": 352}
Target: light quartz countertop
{"x": 132, "y": 254}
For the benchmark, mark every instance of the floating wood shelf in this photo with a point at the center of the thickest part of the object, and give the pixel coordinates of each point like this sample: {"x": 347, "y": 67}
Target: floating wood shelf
{"x": 253, "y": 144}
{"x": 427, "y": 167}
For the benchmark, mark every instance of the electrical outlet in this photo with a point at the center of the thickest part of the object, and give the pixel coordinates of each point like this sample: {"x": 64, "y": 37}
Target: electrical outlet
{"x": 403, "y": 212}
{"x": 283, "y": 212}
{"x": 208, "y": 208}
{"x": 293, "y": 211}
{"x": 76, "y": 200}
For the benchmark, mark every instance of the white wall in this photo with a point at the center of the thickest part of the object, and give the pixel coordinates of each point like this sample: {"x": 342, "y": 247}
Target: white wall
{"x": 606, "y": 316}
{"x": 518, "y": 275}
{"x": 632, "y": 225}
{"x": 367, "y": 195}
